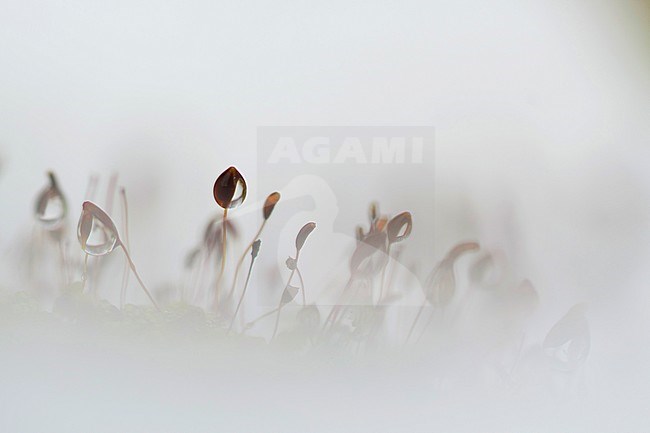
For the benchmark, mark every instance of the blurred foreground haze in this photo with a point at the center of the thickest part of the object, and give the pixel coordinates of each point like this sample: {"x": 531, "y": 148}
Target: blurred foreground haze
{"x": 541, "y": 113}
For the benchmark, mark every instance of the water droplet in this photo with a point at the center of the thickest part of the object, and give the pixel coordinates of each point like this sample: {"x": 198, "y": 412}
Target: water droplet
{"x": 51, "y": 207}
{"x": 96, "y": 231}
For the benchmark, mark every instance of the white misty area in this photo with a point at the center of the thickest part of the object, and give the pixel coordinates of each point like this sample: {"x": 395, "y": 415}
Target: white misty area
{"x": 540, "y": 156}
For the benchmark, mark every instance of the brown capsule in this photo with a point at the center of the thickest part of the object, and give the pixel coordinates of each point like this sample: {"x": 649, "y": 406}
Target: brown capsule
{"x": 53, "y": 183}
{"x": 373, "y": 211}
{"x": 303, "y": 234}
{"x": 359, "y": 233}
{"x": 380, "y": 224}
{"x": 270, "y": 203}
{"x": 399, "y": 227}
{"x": 229, "y": 189}
{"x": 440, "y": 286}
{"x": 460, "y": 249}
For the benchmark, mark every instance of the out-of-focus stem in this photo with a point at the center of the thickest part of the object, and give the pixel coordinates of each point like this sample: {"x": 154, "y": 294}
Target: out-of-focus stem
{"x": 335, "y": 309}
{"x": 383, "y": 275}
{"x": 84, "y": 273}
{"x": 268, "y": 313}
{"x": 280, "y": 305}
{"x": 302, "y": 287}
{"x": 137, "y": 276}
{"x": 241, "y": 298}
{"x": 240, "y": 262}
{"x": 417, "y": 317}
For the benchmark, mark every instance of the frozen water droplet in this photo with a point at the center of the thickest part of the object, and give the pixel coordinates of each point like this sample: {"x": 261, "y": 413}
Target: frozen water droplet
{"x": 51, "y": 207}
{"x": 96, "y": 231}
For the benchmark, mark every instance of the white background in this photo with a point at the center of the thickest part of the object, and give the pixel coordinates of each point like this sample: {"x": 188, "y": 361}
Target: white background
{"x": 541, "y": 112}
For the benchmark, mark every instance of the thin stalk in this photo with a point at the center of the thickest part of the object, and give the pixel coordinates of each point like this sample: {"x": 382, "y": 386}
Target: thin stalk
{"x": 189, "y": 283}
{"x": 137, "y": 276}
{"x": 196, "y": 290}
{"x": 110, "y": 192}
{"x": 92, "y": 186}
{"x": 337, "y": 306}
{"x": 268, "y": 313}
{"x": 64, "y": 262}
{"x": 240, "y": 262}
{"x": 383, "y": 275}
{"x": 242, "y": 315}
{"x": 277, "y": 321}
{"x": 34, "y": 245}
{"x": 223, "y": 258}
{"x": 241, "y": 298}
{"x": 426, "y": 325}
{"x": 391, "y": 276}
{"x": 302, "y": 287}
{"x": 417, "y": 317}
{"x": 343, "y": 310}
{"x": 94, "y": 286}
{"x": 280, "y": 305}
{"x": 84, "y": 273}
{"x": 125, "y": 277}
{"x": 518, "y": 356}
